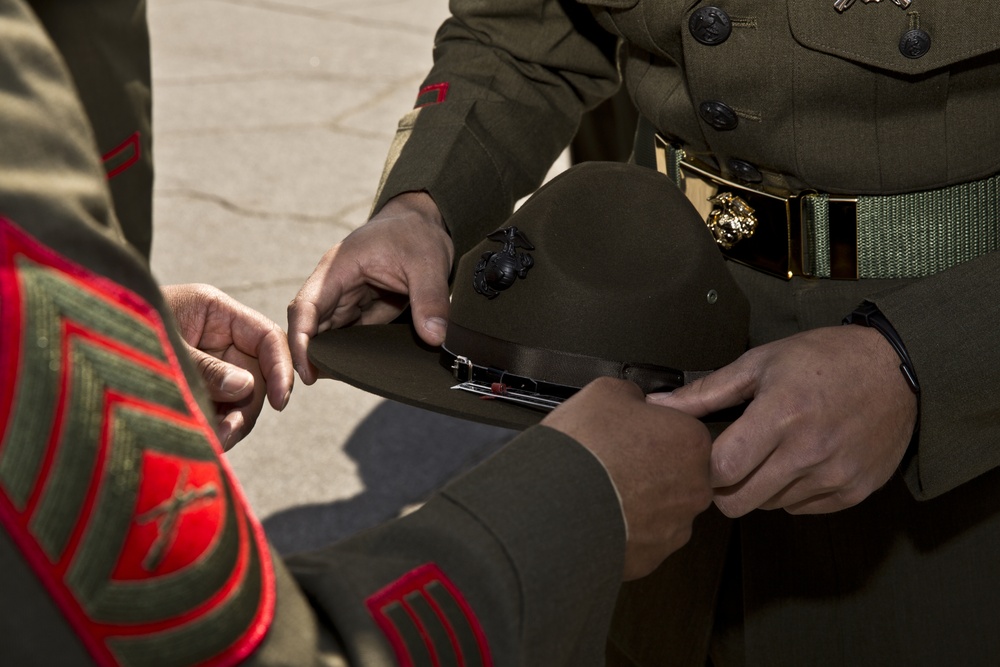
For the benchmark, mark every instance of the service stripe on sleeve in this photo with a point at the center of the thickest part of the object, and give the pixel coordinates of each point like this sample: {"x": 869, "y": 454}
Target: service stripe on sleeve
{"x": 434, "y": 94}
{"x": 428, "y": 621}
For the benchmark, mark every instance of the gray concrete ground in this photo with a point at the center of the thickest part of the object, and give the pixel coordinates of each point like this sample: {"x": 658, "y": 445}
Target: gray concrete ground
{"x": 272, "y": 119}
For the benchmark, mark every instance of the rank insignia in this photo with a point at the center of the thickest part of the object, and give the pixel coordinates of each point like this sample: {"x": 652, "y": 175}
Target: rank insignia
{"x": 111, "y": 481}
{"x": 123, "y": 156}
{"x": 497, "y": 271}
{"x": 433, "y": 94}
{"x": 428, "y": 621}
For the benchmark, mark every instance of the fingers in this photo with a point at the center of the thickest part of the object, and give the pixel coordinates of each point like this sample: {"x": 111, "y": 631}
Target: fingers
{"x": 316, "y": 296}
{"x": 823, "y": 430}
{"x": 227, "y": 324}
{"x": 237, "y": 418}
{"x": 725, "y": 388}
{"x": 429, "y": 303}
{"x": 403, "y": 254}
{"x": 226, "y": 383}
{"x": 262, "y": 345}
{"x": 236, "y": 392}
{"x": 242, "y": 356}
{"x": 575, "y": 416}
{"x": 657, "y": 459}
{"x": 302, "y": 326}
{"x": 747, "y": 443}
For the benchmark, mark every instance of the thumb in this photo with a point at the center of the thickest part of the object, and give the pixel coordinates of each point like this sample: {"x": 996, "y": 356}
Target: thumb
{"x": 226, "y": 383}
{"x": 429, "y": 305}
{"x": 725, "y": 388}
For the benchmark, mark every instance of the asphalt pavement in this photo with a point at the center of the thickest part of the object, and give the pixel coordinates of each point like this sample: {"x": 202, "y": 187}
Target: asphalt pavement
{"x": 272, "y": 119}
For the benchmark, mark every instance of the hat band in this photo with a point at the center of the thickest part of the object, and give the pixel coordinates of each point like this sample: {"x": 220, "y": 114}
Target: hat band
{"x": 559, "y": 371}
{"x": 496, "y": 383}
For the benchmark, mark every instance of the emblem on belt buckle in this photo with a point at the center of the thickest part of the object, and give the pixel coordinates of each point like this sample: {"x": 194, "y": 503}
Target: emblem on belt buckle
{"x": 731, "y": 220}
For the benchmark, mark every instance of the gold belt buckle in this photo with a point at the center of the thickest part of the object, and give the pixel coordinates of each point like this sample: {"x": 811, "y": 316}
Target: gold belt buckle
{"x": 770, "y": 233}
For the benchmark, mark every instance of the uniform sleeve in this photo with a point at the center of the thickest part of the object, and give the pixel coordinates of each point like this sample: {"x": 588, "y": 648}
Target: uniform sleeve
{"x": 948, "y": 323}
{"x": 516, "y": 563}
{"x": 50, "y": 167}
{"x": 504, "y": 97}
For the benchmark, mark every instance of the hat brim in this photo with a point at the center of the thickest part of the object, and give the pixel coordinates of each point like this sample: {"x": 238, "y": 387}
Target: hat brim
{"x": 391, "y": 361}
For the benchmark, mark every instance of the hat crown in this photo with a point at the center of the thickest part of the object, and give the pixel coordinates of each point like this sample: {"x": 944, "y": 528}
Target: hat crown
{"x": 621, "y": 267}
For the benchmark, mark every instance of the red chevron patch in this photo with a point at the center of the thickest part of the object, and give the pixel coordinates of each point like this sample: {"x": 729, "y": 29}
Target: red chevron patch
{"x": 428, "y": 621}
{"x": 111, "y": 480}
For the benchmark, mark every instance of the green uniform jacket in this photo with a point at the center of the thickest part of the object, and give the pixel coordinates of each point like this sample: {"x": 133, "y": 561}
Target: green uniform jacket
{"x": 124, "y": 538}
{"x": 824, "y": 101}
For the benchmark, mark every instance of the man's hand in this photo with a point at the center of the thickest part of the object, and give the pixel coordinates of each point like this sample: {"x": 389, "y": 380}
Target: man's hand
{"x": 241, "y": 354}
{"x": 657, "y": 458}
{"x": 402, "y": 253}
{"x": 830, "y": 419}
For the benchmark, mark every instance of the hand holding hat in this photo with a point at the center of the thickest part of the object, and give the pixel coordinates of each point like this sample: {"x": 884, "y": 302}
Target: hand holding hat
{"x": 657, "y": 459}
{"x": 830, "y": 420}
{"x": 605, "y": 271}
{"x": 403, "y": 254}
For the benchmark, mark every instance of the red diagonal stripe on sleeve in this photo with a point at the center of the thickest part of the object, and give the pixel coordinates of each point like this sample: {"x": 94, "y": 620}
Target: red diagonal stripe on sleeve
{"x": 129, "y": 148}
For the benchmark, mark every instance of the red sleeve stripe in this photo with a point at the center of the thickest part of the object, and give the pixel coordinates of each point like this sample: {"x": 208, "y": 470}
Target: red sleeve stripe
{"x": 433, "y": 94}
{"x": 122, "y": 156}
{"x": 444, "y": 621}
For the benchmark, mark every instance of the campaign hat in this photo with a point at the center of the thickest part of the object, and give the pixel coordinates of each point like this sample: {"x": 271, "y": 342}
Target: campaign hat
{"x": 607, "y": 270}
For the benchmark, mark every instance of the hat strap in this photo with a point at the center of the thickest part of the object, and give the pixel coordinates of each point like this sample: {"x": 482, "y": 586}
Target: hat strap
{"x": 559, "y": 372}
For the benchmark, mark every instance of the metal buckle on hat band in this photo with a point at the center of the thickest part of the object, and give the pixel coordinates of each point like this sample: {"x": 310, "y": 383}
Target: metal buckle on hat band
{"x": 797, "y": 235}
{"x": 499, "y": 384}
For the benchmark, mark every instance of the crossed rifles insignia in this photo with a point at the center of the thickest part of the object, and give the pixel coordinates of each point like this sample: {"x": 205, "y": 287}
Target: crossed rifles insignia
{"x": 841, "y": 5}
{"x": 166, "y": 514}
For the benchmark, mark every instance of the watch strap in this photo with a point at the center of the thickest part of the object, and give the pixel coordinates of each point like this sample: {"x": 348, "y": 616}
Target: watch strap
{"x": 868, "y": 315}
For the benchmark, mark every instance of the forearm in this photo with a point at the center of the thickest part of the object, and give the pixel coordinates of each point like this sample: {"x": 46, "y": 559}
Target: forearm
{"x": 532, "y": 541}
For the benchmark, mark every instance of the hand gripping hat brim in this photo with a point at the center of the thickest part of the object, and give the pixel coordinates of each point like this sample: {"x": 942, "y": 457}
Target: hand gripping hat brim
{"x": 606, "y": 270}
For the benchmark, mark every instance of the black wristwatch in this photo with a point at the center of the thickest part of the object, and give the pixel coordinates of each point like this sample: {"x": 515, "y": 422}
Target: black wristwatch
{"x": 868, "y": 315}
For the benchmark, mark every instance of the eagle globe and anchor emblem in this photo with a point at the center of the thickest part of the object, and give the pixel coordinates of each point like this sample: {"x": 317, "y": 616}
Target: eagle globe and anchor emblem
{"x": 731, "y": 219}
{"x": 497, "y": 271}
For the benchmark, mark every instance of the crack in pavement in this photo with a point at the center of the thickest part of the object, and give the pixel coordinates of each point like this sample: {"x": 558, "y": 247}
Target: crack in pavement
{"x": 336, "y": 219}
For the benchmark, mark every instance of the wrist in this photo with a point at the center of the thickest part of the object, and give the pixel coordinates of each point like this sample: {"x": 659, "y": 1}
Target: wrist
{"x": 419, "y": 203}
{"x": 868, "y": 315}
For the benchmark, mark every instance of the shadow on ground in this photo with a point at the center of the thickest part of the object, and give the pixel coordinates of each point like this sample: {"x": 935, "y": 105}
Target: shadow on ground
{"x": 402, "y": 454}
